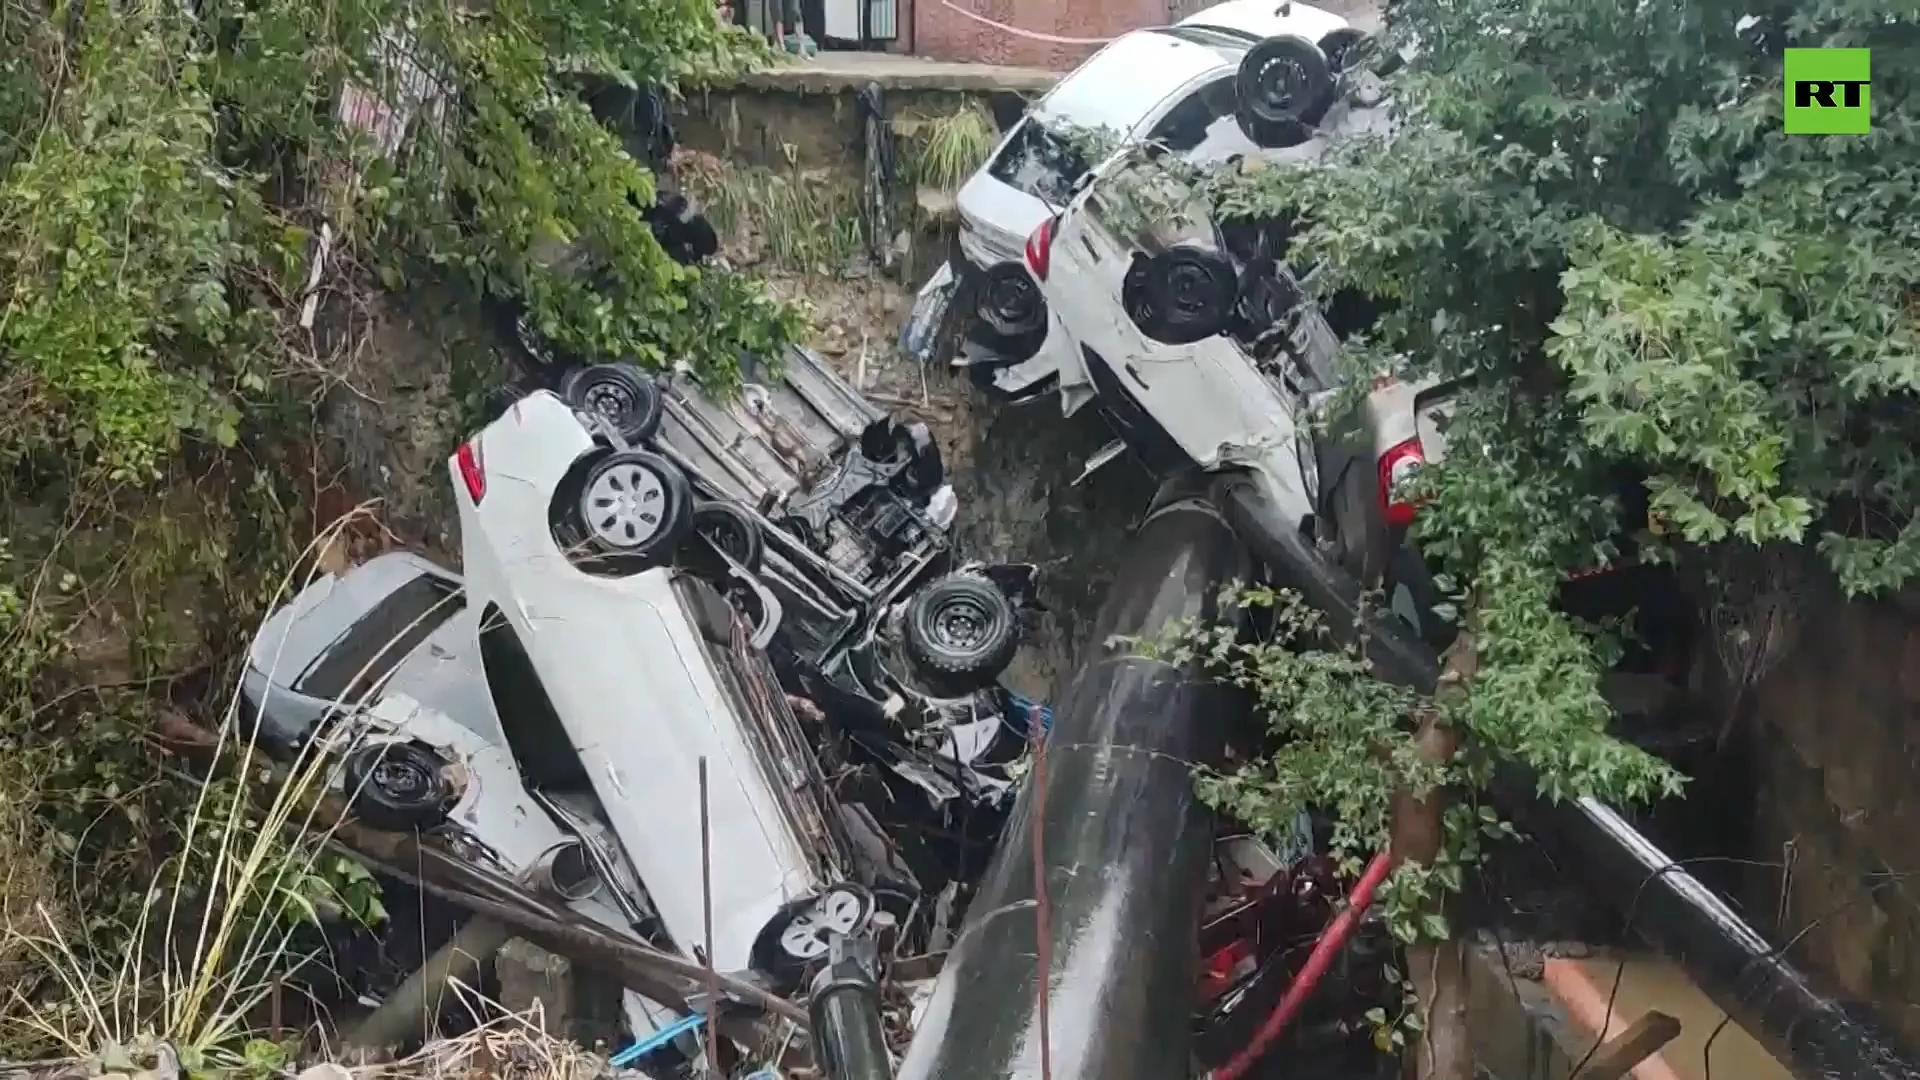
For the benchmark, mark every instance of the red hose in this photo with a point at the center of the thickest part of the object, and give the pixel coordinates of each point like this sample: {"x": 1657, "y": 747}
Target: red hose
{"x": 1333, "y": 938}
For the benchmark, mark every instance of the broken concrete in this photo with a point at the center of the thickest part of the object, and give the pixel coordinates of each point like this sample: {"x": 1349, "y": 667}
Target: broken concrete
{"x": 536, "y": 984}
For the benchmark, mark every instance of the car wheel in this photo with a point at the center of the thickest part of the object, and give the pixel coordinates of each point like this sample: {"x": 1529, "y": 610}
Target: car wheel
{"x": 1344, "y": 48}
{"x": 727, "y": 527}
{"x": 911, "y": 445}
{"x": 961, "y": 632}
{"x": 398, "y": 786}
{"x": 1186, "y": 294}
{"x": 529, "y": 349}
{"x": 1008, "y": 302}
{"x": 635, "y": 505}
{"x": 1266, "y": 308}
{"x": 1247, "y": 239}
{"x": 801, "y": 935}
{"x": 620, "y": 394}
{"x": 1284, "y": 79}
{"x": 681, "y": 230}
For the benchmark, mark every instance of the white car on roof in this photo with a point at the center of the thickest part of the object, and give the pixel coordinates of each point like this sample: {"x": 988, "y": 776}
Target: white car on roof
{"x": 1146, "y": 84}
{"x": 1201, "y": 343}
{"x": 626, "y": 674}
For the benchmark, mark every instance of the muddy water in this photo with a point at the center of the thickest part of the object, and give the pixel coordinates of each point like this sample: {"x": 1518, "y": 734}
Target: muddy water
{"x": 1649, "y": 983}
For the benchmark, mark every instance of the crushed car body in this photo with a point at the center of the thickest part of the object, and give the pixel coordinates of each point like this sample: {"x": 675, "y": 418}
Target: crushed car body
{"x": 655, "y": 582}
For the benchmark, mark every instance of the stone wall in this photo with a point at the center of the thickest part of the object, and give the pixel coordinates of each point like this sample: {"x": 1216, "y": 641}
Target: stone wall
{"x": 1838, "y": 801}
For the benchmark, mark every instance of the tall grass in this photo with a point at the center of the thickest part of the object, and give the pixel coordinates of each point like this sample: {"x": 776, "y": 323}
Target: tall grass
{"x": 951, "y": 147}
{"x": 249, "y": 854}
{"x": 791, "y": 218}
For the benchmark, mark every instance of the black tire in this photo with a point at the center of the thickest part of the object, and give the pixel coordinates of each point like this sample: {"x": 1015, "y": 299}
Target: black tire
{"x": 1270, "y": 134}
{"x": 529, "y": 350}
{"x": 398, "y": 787}
{"x": 1344, "y": 48}
{"x": 1267, "y": 306}
{"x": 1182, "y": 295}
{"x": 887, "y": 441}
{"x": 634, "y": 507}
{"x": 774, "y": 954}
{"x": 960, "y": 633}
{"x": 1008, "y": 302}
{"x": 621, "y": 394}
{"x": 727, "y": 526}
{"x": 682, "y": 231}
{"x": 1284, "y": 79}
{"x": 1249, "y": 240}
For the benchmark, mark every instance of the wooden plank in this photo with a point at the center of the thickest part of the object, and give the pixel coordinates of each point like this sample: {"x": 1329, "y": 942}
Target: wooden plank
{"x": 1641, "y": 1040}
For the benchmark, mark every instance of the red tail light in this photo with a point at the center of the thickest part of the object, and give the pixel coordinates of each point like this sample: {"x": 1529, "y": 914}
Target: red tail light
{"x": 1040, "y": 249}
{"x": 1219, "y": 971}
{"x": 1396, "y": 466}
{"x": 473, "y": 470}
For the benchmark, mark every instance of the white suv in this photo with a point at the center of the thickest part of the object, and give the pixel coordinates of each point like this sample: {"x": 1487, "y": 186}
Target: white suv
{"x": 1147, "y": 84}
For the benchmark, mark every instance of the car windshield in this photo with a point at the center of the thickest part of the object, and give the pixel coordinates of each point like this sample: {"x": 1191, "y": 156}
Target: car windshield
{"x": 372, "y": 648}
{"x": 1045, "y": 163}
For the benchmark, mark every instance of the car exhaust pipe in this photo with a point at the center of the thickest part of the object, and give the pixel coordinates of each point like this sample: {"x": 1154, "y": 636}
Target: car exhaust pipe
{"x": 1815, "y": 1036}
{"x": 1121, "y": 838}
{"x": 566, "y": 872}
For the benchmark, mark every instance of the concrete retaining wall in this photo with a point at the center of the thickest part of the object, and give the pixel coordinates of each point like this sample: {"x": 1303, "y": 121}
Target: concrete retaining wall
{"x": 1836, "y": 759}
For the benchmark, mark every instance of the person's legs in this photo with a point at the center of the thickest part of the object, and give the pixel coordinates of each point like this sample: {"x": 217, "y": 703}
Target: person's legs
{"x": 793, "y": 29}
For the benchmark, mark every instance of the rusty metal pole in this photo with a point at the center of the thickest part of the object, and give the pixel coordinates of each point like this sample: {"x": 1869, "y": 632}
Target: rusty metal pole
{"x": 706, "y": 905}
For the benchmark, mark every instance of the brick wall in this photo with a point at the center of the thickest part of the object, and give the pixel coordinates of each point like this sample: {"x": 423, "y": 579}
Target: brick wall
{"x": 1838, "y": 766}
{"x": 942, "y": 33}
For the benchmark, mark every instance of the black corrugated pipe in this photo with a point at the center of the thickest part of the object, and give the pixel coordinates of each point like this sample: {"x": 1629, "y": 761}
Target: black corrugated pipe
{"x": 1810, "y": 1033}
{"x": 1124, "y": 842}
{"x": 1816, "y": 1036}
{"x": 849, "y": 1035}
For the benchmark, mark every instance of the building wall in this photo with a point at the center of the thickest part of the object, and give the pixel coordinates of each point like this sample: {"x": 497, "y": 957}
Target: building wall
{"x": 942, "y": 33}
{"x": 1838, "y": 828}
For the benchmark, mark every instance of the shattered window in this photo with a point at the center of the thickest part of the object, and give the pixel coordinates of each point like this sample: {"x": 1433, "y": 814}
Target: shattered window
{"x": 1041, "y": 162}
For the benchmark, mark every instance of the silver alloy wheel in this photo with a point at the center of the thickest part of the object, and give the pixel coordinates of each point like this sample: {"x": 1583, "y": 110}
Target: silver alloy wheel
{"x": 624, "y": 505}
{"x": 836, "y": 912}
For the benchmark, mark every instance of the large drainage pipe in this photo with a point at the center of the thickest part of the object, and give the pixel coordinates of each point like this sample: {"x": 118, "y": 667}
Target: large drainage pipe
{"x": 1811, "y": 1033}
{"x": 1123, "y": 841}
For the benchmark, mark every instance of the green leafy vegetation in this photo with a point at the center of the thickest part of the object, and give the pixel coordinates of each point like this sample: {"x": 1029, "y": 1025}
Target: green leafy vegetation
{"x": 167, "y": 172}
{"x": 943, "y": 150}
{"x": 1591, "y": 216}
{"x": 789, "y": 218}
